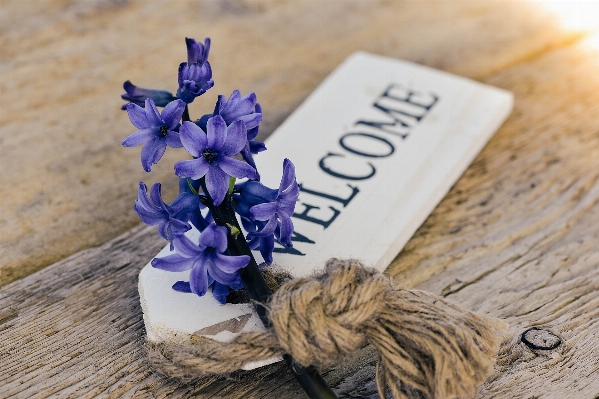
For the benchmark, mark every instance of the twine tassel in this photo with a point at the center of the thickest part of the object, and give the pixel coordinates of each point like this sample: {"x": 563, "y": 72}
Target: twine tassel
{"x": 427, "y": 347}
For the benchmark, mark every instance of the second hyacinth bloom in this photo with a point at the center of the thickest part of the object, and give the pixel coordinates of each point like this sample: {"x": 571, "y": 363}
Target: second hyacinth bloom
{"x": 213, "y": 151}
{"x": 156, "y": 130}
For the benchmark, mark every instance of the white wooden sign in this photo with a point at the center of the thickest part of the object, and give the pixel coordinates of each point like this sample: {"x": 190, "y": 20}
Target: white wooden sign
{"x": 376, "y": 147}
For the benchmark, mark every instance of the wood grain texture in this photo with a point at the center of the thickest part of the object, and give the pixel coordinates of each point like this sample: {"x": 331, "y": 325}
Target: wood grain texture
{"x": 516, "y": 238}
{"x": 66, "y": 184}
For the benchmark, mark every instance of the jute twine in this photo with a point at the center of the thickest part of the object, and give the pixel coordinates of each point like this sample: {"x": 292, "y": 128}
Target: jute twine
{"x": 427, "y": 347}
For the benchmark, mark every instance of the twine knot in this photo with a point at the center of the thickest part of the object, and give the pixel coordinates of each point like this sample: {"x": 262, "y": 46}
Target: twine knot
{"x": 317, "y": 319}
{"x": 427, "y": 347}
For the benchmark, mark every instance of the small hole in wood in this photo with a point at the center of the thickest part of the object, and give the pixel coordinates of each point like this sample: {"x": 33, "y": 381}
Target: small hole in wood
{"x": 538, "y": 338}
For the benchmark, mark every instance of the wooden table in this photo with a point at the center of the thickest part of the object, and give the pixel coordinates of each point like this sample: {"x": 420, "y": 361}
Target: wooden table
{"x": 517, "y": 237}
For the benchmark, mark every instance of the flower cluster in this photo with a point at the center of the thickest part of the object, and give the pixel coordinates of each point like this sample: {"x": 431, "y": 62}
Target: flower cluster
{"x": 221, "y": 145}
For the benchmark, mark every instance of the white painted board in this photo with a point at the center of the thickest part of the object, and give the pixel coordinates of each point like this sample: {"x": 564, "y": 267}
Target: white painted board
{"x": 376, "y": 147}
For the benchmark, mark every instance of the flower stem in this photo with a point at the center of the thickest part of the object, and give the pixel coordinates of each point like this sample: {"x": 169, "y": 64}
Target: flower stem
{"x": 186, "y": 117}
{"x": 253, "y": 281}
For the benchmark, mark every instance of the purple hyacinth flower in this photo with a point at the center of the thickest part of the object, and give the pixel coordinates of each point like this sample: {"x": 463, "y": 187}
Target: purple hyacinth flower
{"x": 195, "y": 75}
{"x": 206, "y": 260}
{"x": 172, "y": 218}
{"x": 156, "y": 130}
{"x": 213, "y": 152}
{"x": 138, "y": 95}
{"x": 277, "y": 212}
{"x": 238, "y": 108}
{"x": 248, "y": 110}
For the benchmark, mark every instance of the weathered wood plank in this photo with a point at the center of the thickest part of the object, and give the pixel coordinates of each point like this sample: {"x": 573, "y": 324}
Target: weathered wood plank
{"x": 67, "y": 185}
{"x": 516, "y": 237}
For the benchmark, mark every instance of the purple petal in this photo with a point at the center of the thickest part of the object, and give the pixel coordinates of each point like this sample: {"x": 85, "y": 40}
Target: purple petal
{"x": 137, "y": 116}
{"x": 152, "y": 152}
{"x": 286, "y": 231}
{"x": 220, "y": 292}
{"x": 185, "y": 247}
{"x": 156, "y": 196}
{"x": 140, "y": 137}
{"x": 198, "y": 278}
{"x": 217, "y": 183}
{"x": 286, "y": 207}
{"x": 232, "y": 103}
{"x": 267, "y": 230}
{"x": 206, "y": 50}
{"x": 221, "y": 276}
{"x": 221, "y": 102}
{"x": 230, "y": 264}
{"x": 151, "y": 218}
{"x": 288, "y": 175}
{"x": 194, "y": 168}
{"x": 182, "y": 205}
{"x": 216, "y": 132}
{"x": 199, "y": 221}
{"x": 264, "y": 211}
{"x": 256, "y": 147}
{"x": 193, "y": 50}
{"x": 173, "y": 263}
{"x": 235, "y": 139}
{"x": 182, "y": 286}
{"x": 171, "y": 114}
{"x": 214, "y": 237}
{"x": 247, "y": 224}
{"x": 178, "y": 228}
{"x": 173, "y": 139}
{"x": 152, "y": 114}
{"x": 257, "y": 193}
{"x": 247, "y": 103}
{"x": 193, "y": 138}
{"x": 165, "y": 232}
{"x": 267, "y": 245}
{"x": 142, "y": 198}
{"x": 254, "y": 242}
{"x": 251, "y": 120}
{"x": 236, "y": 168}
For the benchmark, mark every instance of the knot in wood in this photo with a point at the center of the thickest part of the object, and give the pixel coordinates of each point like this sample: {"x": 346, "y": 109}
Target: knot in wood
{"x": 538, "y": 338}
{"x": 318, "y": 318}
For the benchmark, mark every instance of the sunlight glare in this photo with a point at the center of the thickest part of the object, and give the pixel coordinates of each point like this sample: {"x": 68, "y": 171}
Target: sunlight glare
{"x": 577, "y": 15}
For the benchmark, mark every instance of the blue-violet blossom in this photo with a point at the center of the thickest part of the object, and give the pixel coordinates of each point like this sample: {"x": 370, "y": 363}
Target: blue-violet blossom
{"x": 138, "y": 95}
{"x": 275, "y": 207}
{"x": 213, "y": 151}
{"x": 172, "y": 218}
{"x": 245, "y": 109}
{"x": 206, "y": 260}
{"x": 156, "y": 130}
{"x": 195, "y": 75}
